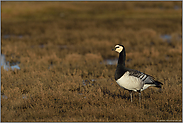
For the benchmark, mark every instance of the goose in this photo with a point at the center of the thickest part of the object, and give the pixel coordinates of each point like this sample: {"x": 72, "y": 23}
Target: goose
{"x": 129, "y": 79}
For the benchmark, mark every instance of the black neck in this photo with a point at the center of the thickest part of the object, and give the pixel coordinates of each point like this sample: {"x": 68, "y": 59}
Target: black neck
{"x": 122, "y": 56}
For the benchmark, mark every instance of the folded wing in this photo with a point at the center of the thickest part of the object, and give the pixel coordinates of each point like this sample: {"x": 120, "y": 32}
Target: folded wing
{"x": 147, "y": 79}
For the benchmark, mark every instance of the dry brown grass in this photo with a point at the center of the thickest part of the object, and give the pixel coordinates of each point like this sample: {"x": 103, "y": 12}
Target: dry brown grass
{"x": 61, "y": 51}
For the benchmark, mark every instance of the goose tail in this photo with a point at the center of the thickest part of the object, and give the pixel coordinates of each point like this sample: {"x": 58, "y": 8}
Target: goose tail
{"x": 158, "y": 84}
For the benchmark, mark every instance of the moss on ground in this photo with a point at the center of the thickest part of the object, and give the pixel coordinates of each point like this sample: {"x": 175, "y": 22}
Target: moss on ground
{"x": 61, "y": 47}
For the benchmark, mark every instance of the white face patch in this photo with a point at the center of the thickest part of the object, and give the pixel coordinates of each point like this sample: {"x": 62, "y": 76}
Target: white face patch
{"x": 118, "y": 48}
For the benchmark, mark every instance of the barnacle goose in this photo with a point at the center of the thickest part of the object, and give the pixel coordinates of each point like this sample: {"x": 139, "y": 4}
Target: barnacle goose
{"x": 129, "y": 79}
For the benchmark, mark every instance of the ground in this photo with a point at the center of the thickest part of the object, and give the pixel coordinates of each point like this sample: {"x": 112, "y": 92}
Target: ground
{"x": 62, "y": 49}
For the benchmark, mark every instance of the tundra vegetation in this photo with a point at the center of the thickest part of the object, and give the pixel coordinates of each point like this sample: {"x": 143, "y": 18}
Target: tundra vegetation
{"x": 62, "y": 48}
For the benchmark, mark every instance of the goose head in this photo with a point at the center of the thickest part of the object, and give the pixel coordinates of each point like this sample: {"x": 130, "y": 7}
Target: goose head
{"x": 118, "y": 48}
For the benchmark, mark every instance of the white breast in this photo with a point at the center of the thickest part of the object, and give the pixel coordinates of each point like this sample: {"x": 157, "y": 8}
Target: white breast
{"x": 130, "y": 82}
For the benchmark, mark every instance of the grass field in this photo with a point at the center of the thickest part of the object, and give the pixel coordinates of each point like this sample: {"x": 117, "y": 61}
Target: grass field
{"x": 62, "y": 48}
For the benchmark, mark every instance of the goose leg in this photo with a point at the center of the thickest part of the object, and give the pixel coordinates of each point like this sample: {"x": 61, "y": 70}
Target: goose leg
{"x": 139, "y": 97}
{"x": 130, "y": 95}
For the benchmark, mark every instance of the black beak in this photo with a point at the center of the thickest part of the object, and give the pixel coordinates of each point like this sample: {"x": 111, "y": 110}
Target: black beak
{"x": 113, "y": 49}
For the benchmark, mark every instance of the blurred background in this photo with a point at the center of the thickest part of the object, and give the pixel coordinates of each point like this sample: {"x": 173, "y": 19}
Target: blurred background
{"x": 57, "y": 63}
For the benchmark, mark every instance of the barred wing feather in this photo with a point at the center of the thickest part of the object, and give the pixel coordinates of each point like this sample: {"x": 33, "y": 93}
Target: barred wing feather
{"x": 147, "y": 79}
